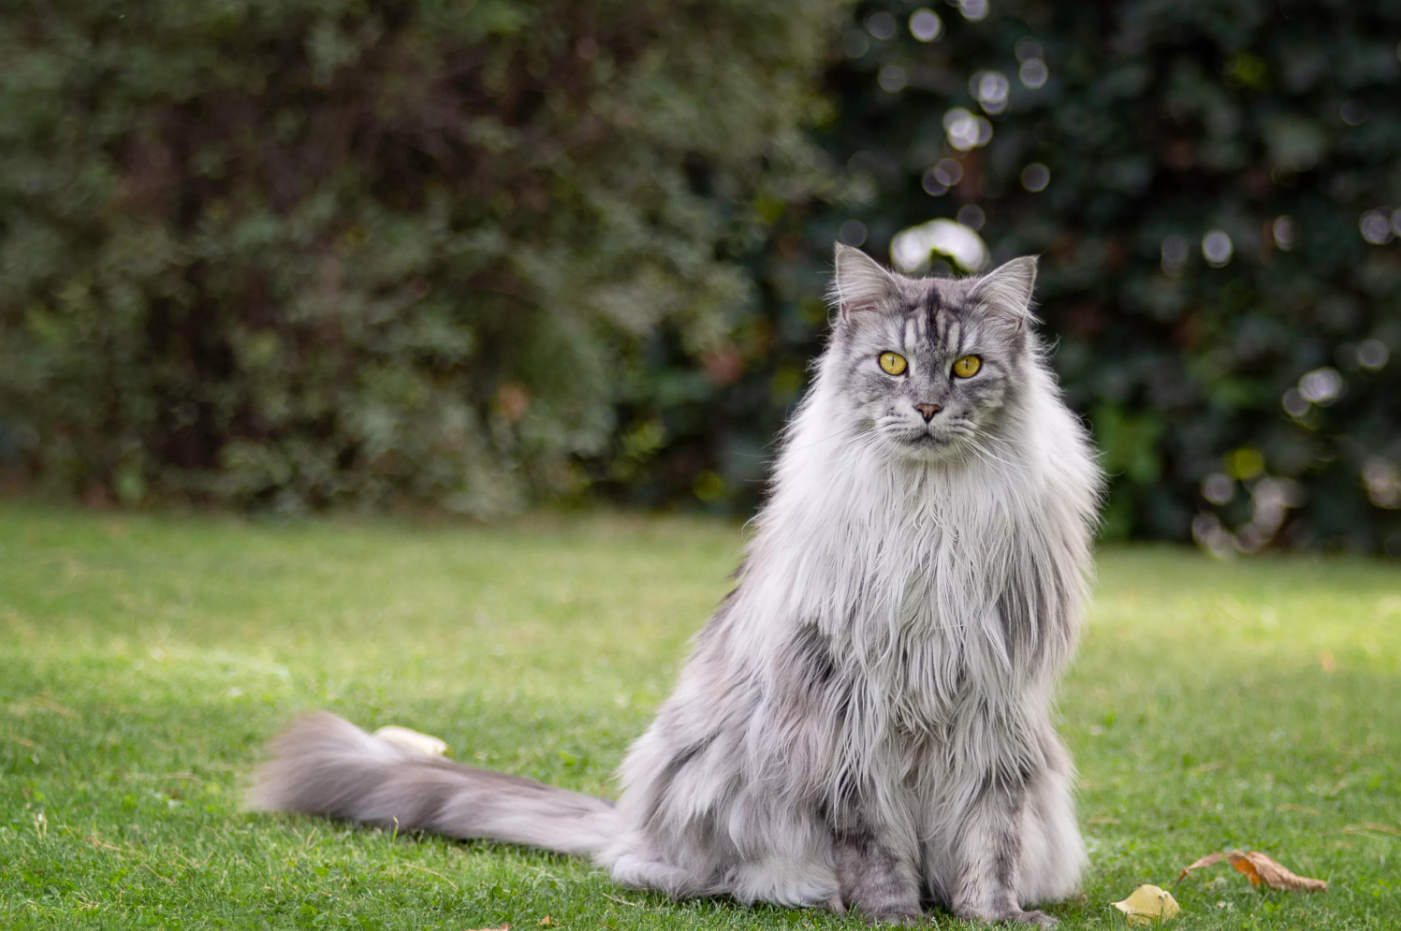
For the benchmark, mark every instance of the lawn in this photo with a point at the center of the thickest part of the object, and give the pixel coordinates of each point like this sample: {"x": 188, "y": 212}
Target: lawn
{"x": 143, "y": 660}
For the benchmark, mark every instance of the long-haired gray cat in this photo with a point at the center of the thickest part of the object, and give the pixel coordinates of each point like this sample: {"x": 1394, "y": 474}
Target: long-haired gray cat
{"x": 865, "y": 723}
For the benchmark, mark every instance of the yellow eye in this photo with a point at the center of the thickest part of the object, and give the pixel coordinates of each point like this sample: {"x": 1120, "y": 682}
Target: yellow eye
{"x": 893, "y": 363}
{"x": 967, "y": 367}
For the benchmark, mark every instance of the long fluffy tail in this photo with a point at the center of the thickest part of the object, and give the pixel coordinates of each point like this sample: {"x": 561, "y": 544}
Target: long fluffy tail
{"x": 324, "y": 765}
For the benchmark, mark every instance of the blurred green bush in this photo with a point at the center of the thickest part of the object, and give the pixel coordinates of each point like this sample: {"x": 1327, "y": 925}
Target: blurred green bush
{"x": 324, "y": 252}
{"x": 305, "y": 253}
{"x": 1215, "y": 189}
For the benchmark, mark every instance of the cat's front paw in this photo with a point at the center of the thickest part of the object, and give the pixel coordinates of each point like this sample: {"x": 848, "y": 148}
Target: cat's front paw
{"x": 1014, "y": 916}
{"x": 887, "y": 917}
{"x": 900, "y": 920}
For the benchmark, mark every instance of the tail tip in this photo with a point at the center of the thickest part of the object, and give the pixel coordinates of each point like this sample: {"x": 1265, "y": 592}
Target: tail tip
{"x": 314, "y": 746}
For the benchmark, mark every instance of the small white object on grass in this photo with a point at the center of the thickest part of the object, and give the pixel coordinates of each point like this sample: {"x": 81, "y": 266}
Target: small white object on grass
{"x": 413, "y": 741}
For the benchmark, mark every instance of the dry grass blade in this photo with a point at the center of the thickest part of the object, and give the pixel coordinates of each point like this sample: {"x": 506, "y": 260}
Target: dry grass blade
{"x": 1370, "y": 828}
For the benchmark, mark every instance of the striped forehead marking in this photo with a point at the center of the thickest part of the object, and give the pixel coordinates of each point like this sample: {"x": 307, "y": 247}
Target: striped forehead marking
{"x": 946, "y": 320}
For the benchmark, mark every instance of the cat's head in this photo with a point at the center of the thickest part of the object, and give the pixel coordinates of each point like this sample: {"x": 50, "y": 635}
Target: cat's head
{"x": 927, "y": 364}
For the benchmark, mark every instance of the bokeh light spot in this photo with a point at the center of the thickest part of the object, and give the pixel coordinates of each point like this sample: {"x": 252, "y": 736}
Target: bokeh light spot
{"x": 910, "y": 249}
{"x": 1035, "y": 177}
{"x": 1382, "y": 480}
{"x": 1372, "y": 354}
{"x": 972, "y": 216}
{"x": 990, "y": 89}
{"x": 893, "y": 79}
{"x": 1245, "y": 463}
{"x": 1375, "y": 226}
{"x": 1322, "y": 386}
{"x": 1217, "y": 248}
{"x": 973, "y": 10}
{"x": 949, "y": 172}
{"x": 925, "y": 25}
{"x": 1218, "y": 488}
{"x": 1174, "y": 255}
{"x": 1295, "y": 404}
{"x": 1033, "y": 73}
{"x": 966, "y": 131}
{"x": 882, "y": 25}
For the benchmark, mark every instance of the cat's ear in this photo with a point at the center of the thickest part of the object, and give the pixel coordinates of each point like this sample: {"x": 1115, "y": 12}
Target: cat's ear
{"x": 861, "y": 285}
{"x": 1006, "y": 290}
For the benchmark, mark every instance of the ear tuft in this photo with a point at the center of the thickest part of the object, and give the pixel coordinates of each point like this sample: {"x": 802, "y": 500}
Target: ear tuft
{"x": 1007, "y": 289}
{"x": 861, "y": 285}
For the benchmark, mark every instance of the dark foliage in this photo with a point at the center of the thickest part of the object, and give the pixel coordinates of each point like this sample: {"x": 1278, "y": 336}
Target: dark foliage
{"x": 1218, "y": 220}
{"x": 322, "y": 252}
{"x": 328, "y": 252}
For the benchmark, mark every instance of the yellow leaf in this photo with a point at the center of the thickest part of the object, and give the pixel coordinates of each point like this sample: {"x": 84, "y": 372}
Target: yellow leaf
{"x": 1148, "y": 904}
{"x": 546, "y": 922}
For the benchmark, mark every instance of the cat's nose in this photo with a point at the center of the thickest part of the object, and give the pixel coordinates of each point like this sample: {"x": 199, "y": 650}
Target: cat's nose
{"x": 927, "y": 411}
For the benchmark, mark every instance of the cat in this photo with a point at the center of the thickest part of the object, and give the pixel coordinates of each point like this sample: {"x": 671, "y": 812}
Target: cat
{"x": 865, "y": 722}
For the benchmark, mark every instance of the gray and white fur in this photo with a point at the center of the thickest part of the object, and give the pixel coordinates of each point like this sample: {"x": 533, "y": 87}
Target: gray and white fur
{"x": 865, "y": 723}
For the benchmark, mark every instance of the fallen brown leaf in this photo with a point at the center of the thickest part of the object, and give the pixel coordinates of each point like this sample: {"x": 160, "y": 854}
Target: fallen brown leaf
{"x": 1210, "y": 859}
{"x": 1264, "y": 869}
{"x": 1259, "y": 868}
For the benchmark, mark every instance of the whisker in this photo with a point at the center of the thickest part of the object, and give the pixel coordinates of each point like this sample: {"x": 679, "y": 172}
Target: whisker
{"x": 983, "y": 451}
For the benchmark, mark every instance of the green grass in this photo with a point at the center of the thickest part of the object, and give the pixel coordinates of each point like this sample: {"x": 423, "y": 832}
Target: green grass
{"x": 143, "y": 660}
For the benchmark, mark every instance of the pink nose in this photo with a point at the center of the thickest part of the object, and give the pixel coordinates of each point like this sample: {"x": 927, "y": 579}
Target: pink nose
{"x": 927, "y": 411}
